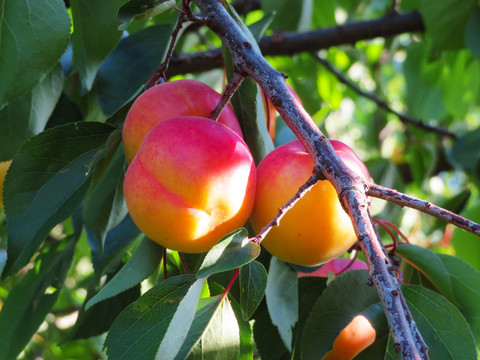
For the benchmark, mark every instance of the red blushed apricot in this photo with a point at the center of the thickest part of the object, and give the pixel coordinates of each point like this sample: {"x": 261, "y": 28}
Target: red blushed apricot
{"x": 191, "y": 183}
{"x": 316, "y": 229}
{"x": 4, "y": 165}
{"x": 169, "y": 100}
{"x": 353, "y": 339}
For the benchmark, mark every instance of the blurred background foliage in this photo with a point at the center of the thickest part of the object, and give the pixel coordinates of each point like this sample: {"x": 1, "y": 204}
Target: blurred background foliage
{"x": 431, "y": 75}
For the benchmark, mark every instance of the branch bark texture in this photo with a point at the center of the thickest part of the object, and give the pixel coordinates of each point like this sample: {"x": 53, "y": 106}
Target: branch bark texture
{"x": 423, "y": 206}
{"x": 351, "y": 189}
{"x": 294, "y": 43}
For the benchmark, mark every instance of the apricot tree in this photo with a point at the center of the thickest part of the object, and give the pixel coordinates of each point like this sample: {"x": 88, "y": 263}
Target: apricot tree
{"x": 384, "y": 77}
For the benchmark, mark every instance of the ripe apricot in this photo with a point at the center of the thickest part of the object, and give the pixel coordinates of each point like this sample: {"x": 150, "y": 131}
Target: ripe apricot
{"x": 168, "y": 100}
{"x": 191, "y": 183}
{"x": 316, "y": 229}
{"x": 4, "y": 165}
{"x": 353, "y": 339}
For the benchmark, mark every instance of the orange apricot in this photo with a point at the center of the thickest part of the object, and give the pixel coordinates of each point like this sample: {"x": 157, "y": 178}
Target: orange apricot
{"x": 353, "y": 339}
{"x": 316, "y": 229}
{"x": 191, "y": 183}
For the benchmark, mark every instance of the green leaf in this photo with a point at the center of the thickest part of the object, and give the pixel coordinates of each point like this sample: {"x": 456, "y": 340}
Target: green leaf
{"x": 139, "y": 329}
{"x": 258, "y": 28}
{"x": 60, "y": 160}
{"x": 3, "y": 260}
{"x": 221, "y": 339}
{"x": 282, "y": 299}
{"x": 66, "y": 111}
{"x": 233, "y": 251}
{"x": 287, "y": 15}
{"x": 245, "y": 332}
{"x": 267, "y": 339}
{"x": 142, "y": 9}
{"x": 441, "y": 324}
{"x": 445, "y": 22}
{"x": 253, "y": 282}
{"x": 27, "y": 115}
{"x": 472, "y": 32}
{"x": 460, "y": 83}
{"x": 206, "y": 309}
{"x": 105, "y": 205}
{"x": 33, "y": 298}
{"x": 466, "y": 244}
{"x": 422, "y": 159}
{"x": 25, "y": 59}
{"x": 464, "y": 152}
{"x": 466, "y": 288}
{"x": 90, "y": 19}
{"x": 180, "y": 324}
{"x": 98, "y": 319}
{"x": 309, "y": 289}
{"x": 430, "y": 265}
{"x": 143, "y": 262}
{"x": 345, "y": 297}
{"x": 117, "y": 242}
{"x": 136, "y": 57}
{"x": 423, "y": 95}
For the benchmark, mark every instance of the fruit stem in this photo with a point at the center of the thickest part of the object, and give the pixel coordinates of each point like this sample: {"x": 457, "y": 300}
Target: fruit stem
{"x": 184, "y": 263}
{"x": 230, "y": 284}
{"x": 165, "y": 264}
{"x": 229, "y": 91}
{"x": 283, "y": 210}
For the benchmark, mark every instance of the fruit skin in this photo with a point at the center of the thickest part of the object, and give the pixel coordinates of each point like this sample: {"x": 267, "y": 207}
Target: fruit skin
{"x": 336, "y": 266}
{"x": 191, "y": 183}
{"x": 4, "y": 165}
{"x": 353, "y": 339}
{"x": 316, "y": 229}
{"x": 168, "y": 100}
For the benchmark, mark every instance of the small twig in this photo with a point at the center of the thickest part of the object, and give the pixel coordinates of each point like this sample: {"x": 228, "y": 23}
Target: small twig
{"x": 230, "y": 89}
{"x": 230, "y": 284}
{"x": 184, "y": 263}
{"x": 405, "y": 119}
{"x": 283, "y": 210}
{"x": 423, "y": 206}
{"x": 186, "y": 14}
{"x": 352, "y": 261}
{"x": 389, "y": 232}
{"x": 165, "y": 264}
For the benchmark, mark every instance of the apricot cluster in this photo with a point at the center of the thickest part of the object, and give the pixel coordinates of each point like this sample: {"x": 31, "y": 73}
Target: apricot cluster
{"x": 192, "y": 180}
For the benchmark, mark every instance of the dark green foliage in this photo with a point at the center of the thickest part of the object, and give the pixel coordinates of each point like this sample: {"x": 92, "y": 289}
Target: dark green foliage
{"x": 80, "y": 280}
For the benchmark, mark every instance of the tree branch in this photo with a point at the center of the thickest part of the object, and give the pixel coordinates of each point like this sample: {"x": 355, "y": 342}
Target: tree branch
{"x": 350, "y": 187}
{"x": 405, "y": 119}
{"x": 423, "y": 206}
{"x": 293, "y": 43}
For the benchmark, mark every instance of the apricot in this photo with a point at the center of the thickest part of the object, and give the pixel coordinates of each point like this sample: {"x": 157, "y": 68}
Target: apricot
{"x": 168, "y": 100}
{"x": 4, "y": 165}
{"x": 353, "y": 339}
{"x": 316, "y": 229}
{"x": 191, "y": 183}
